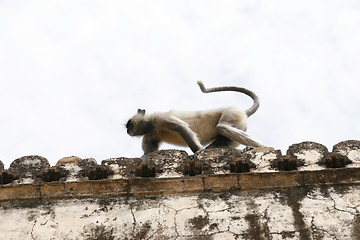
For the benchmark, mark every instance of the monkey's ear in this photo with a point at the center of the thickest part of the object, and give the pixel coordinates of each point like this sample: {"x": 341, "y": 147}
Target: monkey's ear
{"x": 141, "y": 111}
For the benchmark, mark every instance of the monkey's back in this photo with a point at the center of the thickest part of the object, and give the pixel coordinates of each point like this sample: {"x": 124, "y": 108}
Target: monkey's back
{"x": 203, "y": 123}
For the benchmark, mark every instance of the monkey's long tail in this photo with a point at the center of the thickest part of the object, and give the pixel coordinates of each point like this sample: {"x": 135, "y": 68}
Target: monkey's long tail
{"x": 251, "y": 94}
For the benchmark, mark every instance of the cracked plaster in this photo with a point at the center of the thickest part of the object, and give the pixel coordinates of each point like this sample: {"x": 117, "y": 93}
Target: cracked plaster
{"x": 329, "y": 214}
{"x": 311, "y": 158}
{"x": 262, "y": 160}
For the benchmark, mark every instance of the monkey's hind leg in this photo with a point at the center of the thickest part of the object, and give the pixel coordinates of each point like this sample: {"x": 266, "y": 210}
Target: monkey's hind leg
{"x": 238, "y": 135}
{"x": 221, "y": 142}
{"x": 184, "y": 131}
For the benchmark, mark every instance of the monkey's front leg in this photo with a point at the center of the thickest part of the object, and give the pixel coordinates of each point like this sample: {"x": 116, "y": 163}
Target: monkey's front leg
{"x": 150, "y": 144}
{"x": 185, "y": 132}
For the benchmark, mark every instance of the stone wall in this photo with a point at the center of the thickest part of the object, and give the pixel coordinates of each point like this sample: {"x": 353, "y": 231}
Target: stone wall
{"x": 309, "y": 193}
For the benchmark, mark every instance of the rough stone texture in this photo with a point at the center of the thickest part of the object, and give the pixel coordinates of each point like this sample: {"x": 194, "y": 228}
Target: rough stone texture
{"x": 262, "y": 158}
{"x": 241, "y": 165}
{"x": 350, "y": 149}
{"x": 335, "y": 160}
{"x": 216, "y": 161}
{"x": 176, "y": 163}
{"x": 146, "y": 169}
{"x": 6, "y": 177}
{"x": 192, "y": 168}
{"x": 28, "y": 168}
{"x": 285, "y": 163}
{"x": 77, "y": 170}
{"x": 122, "y": 167}
{"x": 67, "y": 160}
{"x": 295, "y": 213}
{"x": 1, "y": 166}
{"x": 54, "y": 174}
{"x": 99, "y": 172}
{"x": 308, "y": 155}
{"x": 168, "y": 162}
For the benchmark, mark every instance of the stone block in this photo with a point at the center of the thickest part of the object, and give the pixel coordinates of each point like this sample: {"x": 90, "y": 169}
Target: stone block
{"x": 122, "y": 167}
{"x": 75, "y": 169}
{"x": 262, "y": 159}
{"x": 168, "y": 162}
{"x": 308, "y": 155}
{"x": 68, "y": 160}
{"x": 28, "y": 168}
{"x": 350, "y": 149}
{"x": 216, "y": 161}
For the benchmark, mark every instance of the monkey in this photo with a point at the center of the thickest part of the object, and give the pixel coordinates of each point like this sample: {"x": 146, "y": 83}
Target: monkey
{"x": 217, "y": 128}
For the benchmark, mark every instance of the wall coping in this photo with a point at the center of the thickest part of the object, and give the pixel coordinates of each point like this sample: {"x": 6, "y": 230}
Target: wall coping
{"x": 180, "y": 185}
{"x": 305, "y": 164}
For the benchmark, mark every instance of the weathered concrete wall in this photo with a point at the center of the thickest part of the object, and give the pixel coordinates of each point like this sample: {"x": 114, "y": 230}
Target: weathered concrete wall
{"x": 295, "y": 213}
{"x": 309, "y": 193}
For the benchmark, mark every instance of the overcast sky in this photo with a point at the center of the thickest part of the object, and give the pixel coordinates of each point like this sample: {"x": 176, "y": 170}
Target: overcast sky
{"x": 73, "y": 72}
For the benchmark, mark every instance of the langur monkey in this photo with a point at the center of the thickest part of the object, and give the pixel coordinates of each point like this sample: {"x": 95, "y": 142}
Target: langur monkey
{"x": 218, "y": 128}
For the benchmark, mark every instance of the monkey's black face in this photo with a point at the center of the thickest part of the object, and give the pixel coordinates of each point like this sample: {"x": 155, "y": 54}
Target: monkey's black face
{"x": 138, "y": 128}
{"x": 129, "y": 127}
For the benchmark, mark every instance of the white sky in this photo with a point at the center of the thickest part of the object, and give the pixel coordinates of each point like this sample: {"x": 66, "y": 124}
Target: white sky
{"x": 73, "y": 72}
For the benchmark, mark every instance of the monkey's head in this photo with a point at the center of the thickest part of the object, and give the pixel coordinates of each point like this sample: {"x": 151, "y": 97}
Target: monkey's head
{"x": 138, "y": 125}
